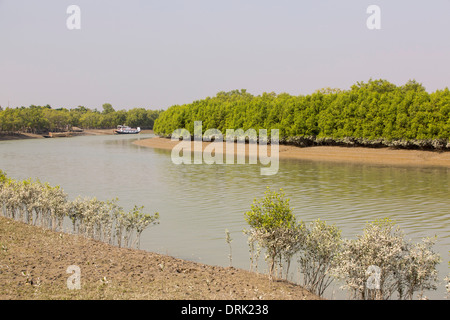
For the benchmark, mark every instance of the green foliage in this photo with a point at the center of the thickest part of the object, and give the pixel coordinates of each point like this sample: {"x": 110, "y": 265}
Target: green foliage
{"x": 3, "y": 177}
{"x": 107, "y": 108}
{"x": 373, "y": 110}
{"x": 273, "y": 227}
{"x": 39, "y": 119}
{"x": 270, "y": 212}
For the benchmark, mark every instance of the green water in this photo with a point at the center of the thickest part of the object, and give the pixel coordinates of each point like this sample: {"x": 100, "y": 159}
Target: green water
{"x": 198, "y": 202}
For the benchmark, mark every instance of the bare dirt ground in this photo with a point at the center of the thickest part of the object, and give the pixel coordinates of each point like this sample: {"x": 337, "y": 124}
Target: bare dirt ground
{"x": 382, "y": 156}
{"x": 34, "y": 262}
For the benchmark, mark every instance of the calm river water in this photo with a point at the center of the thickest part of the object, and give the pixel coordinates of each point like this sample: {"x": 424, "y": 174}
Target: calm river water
{"x": 198, "y": 202}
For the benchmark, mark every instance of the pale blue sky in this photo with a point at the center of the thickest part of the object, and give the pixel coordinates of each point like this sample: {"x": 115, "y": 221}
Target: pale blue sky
{"x": 155, "y": 54}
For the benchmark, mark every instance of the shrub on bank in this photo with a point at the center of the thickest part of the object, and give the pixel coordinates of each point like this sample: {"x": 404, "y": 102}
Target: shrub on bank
{"x": 274, "y": 228}
{"x": 378, "y": 265}
{"x": 394, "y": 265}
{"x": 37, "y": 203}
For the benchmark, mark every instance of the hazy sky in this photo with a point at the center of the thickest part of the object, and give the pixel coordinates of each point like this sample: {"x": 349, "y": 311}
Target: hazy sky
{"x": 155, "y": 54}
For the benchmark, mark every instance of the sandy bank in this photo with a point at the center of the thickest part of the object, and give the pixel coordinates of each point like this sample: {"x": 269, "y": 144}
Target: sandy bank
{"x": 381, "y": 156}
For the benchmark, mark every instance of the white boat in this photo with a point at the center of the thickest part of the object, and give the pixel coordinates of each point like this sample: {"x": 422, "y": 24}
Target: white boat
{"x": 127, "y": 130}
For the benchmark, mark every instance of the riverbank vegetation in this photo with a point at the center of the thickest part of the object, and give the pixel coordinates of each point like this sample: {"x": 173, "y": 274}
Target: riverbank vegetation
{"x": 380, "y": 264}
{"x": 41, "y": 204}
{"x": 374, "y": 114}
{"x": 37, "y": 250}
{"x": 42, "y": 119}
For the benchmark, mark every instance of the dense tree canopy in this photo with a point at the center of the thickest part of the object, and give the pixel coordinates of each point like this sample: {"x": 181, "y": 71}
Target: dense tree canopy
{"x": 38, "y": 119}
{"x": 377, "y": 109}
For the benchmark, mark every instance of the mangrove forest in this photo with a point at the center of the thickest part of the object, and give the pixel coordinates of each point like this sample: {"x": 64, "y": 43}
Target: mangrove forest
{"x": 376, "y": 114}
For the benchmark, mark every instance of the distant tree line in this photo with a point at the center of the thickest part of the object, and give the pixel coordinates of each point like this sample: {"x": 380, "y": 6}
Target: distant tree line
{"x": 39, "y": 119}
{"x": 376, "y": 113}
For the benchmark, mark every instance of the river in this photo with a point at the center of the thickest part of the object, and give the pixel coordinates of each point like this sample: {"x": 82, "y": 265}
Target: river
{"x": 198, "y": 202}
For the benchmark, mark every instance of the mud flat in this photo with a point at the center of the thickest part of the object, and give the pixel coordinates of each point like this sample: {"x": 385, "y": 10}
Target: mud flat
{"x": 34, "y": 263}
{"x": 381, "y": 156}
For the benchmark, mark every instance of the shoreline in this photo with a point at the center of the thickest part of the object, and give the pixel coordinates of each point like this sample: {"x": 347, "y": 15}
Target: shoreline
{"x": 338, "y": 154}
{"x": 361, "y": 155}
{"x": 34, "y": 263}
{"x": 86, "y": 132}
